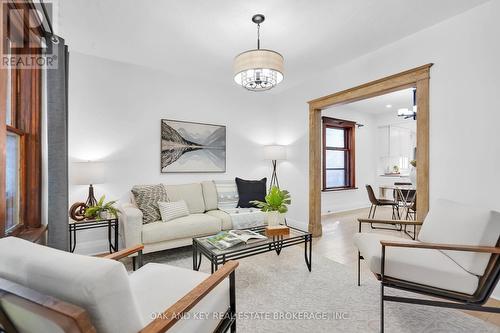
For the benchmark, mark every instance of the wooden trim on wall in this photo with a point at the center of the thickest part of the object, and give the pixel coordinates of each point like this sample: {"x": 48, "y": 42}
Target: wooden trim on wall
{"x": 3, "y": 135}
{"x": 422, "y": 148}
{"x": 350, "y": 142}
{"x": 314, "y": 171}
{"x": 417, "y": 77}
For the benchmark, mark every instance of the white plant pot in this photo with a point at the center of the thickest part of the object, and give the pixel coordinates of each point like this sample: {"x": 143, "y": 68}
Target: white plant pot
{"x": 413, "y": 176}
{"x": 105, "y": 215}
{"x": 275, "y": 218}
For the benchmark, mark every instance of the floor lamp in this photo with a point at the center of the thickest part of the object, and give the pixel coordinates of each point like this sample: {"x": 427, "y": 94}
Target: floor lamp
{"x": 274, "y": 153}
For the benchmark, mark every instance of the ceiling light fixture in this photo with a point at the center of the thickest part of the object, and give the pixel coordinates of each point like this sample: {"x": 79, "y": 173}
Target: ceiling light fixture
{"x": 258, "y": 69}
{"x": 388, "y": 106}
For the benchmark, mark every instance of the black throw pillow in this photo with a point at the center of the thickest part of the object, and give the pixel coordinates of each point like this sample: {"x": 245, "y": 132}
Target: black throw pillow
{"x": 249, "y": 190}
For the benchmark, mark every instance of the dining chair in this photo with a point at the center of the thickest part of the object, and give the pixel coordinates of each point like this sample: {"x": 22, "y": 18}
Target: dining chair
{"x": 375, "y": 202}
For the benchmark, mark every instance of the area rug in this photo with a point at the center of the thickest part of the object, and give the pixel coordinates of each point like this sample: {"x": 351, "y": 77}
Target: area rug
{"x": 278, "y": 294}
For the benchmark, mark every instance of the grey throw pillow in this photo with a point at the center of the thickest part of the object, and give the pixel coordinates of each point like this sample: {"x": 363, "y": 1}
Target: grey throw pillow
{"x": 147, "y": 197}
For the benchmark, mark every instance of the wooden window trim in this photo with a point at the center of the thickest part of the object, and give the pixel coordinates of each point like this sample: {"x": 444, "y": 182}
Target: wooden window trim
{"x": 26, "y": 122}
{"x": 349, "y": 128}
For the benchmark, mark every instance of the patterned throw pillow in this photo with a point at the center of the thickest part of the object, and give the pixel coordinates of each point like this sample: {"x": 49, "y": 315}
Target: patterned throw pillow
{"x": 227, "y": 194}
{"x": 172, "y": 210}
{"x": 147, "y": 197}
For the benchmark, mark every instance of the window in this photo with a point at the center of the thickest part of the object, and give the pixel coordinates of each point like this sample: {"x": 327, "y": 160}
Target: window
{"x": 13, "y": 181}
{"x": 338, "y": 154}
{"x": 20, "y": 137}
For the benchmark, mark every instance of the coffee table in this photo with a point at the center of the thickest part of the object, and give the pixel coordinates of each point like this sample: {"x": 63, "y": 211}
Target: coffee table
{"x": 218, "y": 257}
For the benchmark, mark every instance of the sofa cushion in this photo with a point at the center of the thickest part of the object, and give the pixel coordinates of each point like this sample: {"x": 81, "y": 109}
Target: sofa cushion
{"x": 227, "y": 194}
{"x": 100, "y": 286}
{"x": 209, "y": 194}
{"x": 156, "y": 287}
{"x": 183, "y": 227}
{"x": 424, "y": 266}
{"x": 223, "y": 216}
{"x": 249, "y": 190}
{"x": 190, "y": 193}
{"x": 172, "y": 210}
{"x": 146, "y": 197}
{"x": 449, "y": 222}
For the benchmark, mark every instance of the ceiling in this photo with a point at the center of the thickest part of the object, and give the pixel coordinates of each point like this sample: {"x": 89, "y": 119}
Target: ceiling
{"x": 378, "y": 105}
{"x": 199, "y": 38}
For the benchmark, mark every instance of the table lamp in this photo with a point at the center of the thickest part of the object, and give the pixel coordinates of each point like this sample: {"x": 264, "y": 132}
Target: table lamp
{"x": 274, "y": 153}
{"x": 88, "y": 173}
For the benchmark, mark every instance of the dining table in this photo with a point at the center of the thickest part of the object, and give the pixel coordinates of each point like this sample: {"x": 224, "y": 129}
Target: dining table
{"x": 405, "y": 194}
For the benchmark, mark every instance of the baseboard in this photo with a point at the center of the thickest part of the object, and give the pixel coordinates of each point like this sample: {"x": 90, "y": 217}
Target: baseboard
{"x": 346, "y": 208}
{"x": 297, "y": 224}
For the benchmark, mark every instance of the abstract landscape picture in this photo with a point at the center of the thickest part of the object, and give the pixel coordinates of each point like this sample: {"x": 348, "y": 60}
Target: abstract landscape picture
{"x": 192, "y": 147}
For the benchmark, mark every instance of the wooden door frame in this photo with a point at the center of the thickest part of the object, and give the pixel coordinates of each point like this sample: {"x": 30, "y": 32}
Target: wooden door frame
{"x": 417, "y": 77}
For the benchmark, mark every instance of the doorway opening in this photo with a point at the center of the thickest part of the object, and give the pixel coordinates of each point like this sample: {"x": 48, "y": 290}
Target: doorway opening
{"x": 332, "y": 164}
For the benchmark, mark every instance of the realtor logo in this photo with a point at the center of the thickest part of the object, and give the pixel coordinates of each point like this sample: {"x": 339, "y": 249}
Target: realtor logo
{"x": 25, "y": 44}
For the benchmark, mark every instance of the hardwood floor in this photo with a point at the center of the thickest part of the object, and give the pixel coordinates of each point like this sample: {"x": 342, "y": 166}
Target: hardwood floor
{"x": 336, "y": 244}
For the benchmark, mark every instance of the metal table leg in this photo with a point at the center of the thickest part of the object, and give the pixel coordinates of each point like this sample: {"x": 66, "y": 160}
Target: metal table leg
{"x": 116, "y": 236}
{"x": 308, "y": 251}
{"x": 109, "y": 237}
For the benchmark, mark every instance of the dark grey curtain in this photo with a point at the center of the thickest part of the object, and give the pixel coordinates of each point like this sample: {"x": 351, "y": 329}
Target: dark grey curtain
{"x": 57, "y": 147}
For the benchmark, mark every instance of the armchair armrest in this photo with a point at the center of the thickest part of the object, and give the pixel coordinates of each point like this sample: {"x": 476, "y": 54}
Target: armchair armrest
{"x": 437, "y": 246}
{"x": 171, "y": 315}
{"x": 403, "y": 222}
{"x": 131, "y": 224}
{"x": 125, "y": 252}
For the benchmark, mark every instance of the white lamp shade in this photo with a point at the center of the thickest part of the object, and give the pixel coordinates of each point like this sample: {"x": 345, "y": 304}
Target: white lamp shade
{"x": 275, "y": 152}
{"x": 258, "y": 70}
{"x": 86, "y": 173}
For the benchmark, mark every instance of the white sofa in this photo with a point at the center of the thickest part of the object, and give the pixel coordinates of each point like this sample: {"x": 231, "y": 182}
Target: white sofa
{"x": 204, "y": 219}
{"x": 116, "y": 302}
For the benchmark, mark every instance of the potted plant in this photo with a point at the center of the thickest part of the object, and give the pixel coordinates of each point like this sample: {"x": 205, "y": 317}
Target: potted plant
{"x": 275, "y": 205}
{"x": 102, "y": 210}
{"x": 413, "y": 172}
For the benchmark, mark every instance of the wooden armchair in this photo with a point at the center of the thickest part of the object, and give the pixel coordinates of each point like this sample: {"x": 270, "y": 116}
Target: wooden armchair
{"x": 456, "y": 258}
{"x": 31, "y": 303}
{"x": 402, "y": 223}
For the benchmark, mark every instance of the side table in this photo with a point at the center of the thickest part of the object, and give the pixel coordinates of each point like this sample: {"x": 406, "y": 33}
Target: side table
{"x": 111, "y": 224}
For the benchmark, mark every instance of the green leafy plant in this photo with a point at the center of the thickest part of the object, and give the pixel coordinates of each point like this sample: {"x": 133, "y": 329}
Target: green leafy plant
{"x": 276, "y": 201}
{"x": 100, "y": 207}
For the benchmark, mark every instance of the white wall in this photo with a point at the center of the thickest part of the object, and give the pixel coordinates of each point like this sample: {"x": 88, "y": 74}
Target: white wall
{"x": 365, "y": 166}
{"x": 464, "y": 138}
{"x": 114, "y": 116}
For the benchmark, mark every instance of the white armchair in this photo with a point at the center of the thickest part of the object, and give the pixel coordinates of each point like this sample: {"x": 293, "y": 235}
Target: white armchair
{"x": 44, "y": 290}
{"x": 456, "y": 257}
